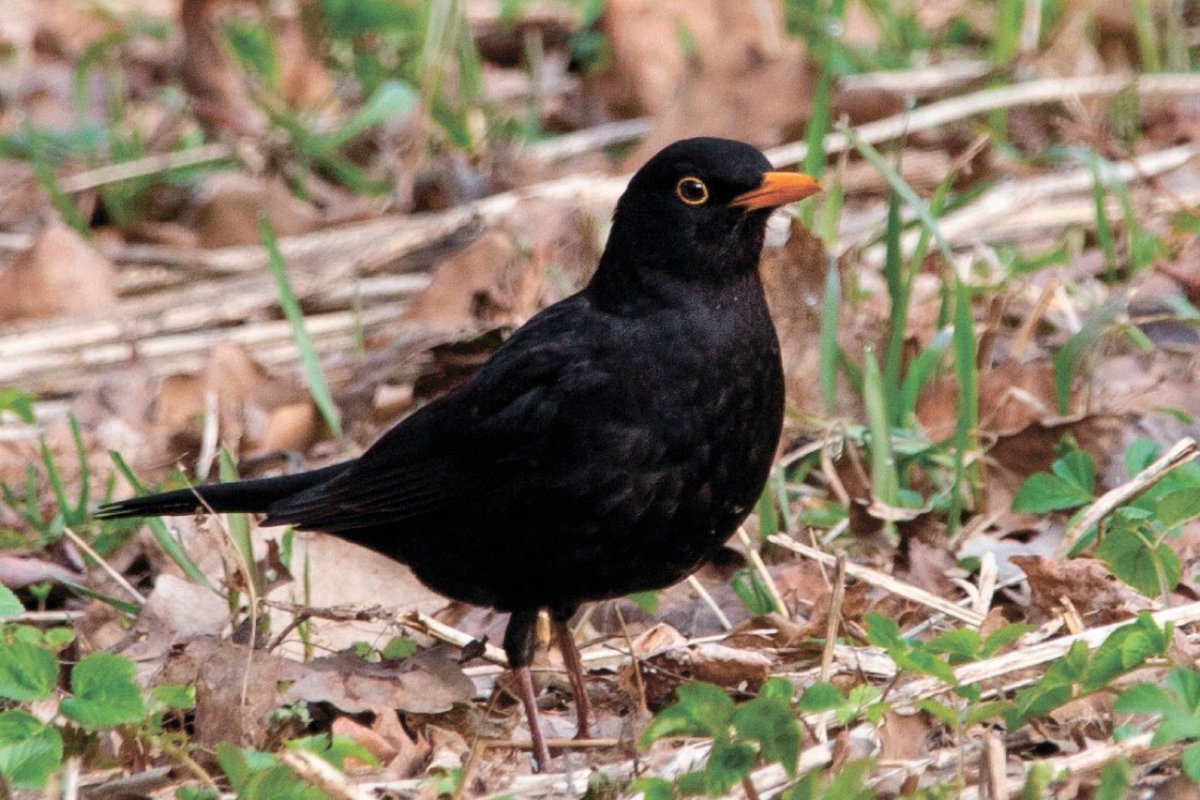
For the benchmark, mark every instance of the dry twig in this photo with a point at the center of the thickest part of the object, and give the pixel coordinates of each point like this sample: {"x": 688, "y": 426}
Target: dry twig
{"x": 1180, "y": 453}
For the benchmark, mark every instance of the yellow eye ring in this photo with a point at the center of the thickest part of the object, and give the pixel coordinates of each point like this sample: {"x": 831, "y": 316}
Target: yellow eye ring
{"x": 692, "y": 191}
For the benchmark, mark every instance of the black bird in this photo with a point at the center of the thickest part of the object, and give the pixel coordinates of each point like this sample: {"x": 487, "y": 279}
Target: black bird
{"x": 610, "y": 446}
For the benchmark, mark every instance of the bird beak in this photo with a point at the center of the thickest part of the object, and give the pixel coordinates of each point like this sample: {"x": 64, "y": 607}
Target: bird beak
{"x": 778, "y": 189}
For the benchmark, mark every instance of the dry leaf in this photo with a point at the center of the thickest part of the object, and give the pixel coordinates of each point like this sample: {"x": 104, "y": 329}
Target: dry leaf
{"x": 426, "y": 683}
{"x": 209, "y": 75}
{"x": 489, "y": 282}
{"x": 1099, "y": 598}
{"x": 232, "y": 202}
{"x": 746, "y": 80}
{"x": 794, "y": 281}
{"x": 365, "y": 737}
{"x": 60, "y": 274}
{"x": 264, "y": 412}
{"x": 904, "y": 737}
{"x": 304, "y": 79}
{"x": 703, "y": 67}
{"x": 715, "y": 663}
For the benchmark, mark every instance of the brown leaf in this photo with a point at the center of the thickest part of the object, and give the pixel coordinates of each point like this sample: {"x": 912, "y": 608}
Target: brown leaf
{"x": 794, "y": 281}
{"x": 305, "y": 81}
{"x": 60, "y": 274}
{"x": 187, "y": 610}
{"x": 924, "y": 557}
{"x": 488, "y": 282}
{"x": 1099, "y": 598}
{"x": 220, "y": 670}
{"x": 411, "y": 750}
{"x": 292, "y": 427}
{"x": 755, "y": 85}
{"x": 1012, "y": 395}
{"x": 903, "y": 737}
{"x": 376, "y": 580}
{"x": 176, "y": 611}
{"x": 426, "y": 683}
{"x": 233, "y": 201}
{"x": 715, "y": 663}
{"x": 209, "y": 74}
{"x": 22, "y": 199}
{"x": 703, "y": 67}
{"x": 264, "y": 412}
{"x": 365, "y": 737}
{"x": 17, "y": 573}
{"x": 658, "y": 639}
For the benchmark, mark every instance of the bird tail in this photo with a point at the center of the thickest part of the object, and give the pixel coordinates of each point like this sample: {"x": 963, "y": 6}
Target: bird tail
{"x": 252, "y": 496}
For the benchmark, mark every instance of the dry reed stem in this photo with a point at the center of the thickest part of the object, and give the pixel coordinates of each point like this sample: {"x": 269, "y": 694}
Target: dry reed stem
{"x": 886, "y": 582}
{"x": 1182, "y": 452}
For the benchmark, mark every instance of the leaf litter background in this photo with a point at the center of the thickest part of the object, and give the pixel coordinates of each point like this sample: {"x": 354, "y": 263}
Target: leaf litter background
{"x": 138, "y": 302}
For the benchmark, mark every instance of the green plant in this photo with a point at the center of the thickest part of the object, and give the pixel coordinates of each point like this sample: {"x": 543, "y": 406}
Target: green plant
{"x": 1080, "y": 673}
{"x": 763, "y": 730}
{"x": 1132, "y": 541}
{"x": 1178, "y": 707}
{"x": 254, "y": 775}
{"x": 310, "y": 362}
{"x": 863, "y": 701}
{"x": 103, "y": 696}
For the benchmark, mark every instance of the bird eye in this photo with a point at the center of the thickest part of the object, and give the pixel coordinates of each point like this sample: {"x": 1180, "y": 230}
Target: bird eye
{"x": 692, "y": 191}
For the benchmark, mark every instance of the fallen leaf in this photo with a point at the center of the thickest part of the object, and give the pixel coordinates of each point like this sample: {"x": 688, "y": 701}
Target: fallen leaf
{"x": 209, "y": 75}
{"x": 489, "y": 282}
{"x": 60, "y": 274}
{"x": 411, "y": 750}
{"x": 725, "y": 69}
{"x": 426, "y": 683}
{"x": 22, "y": 199}
{"x": 17, "y": 572}
{"x": 306, "y": 83}
{"x": 236, "y": 689}
{"x": 904, "y": 737}
{"x": 262, "y": 412}
{"x": 365, "y": 737}
{"x": 714, "y": 663}
{"x": 793, "y": 278}
{"x": 232, "y": 202}
{"x": 1099, "y": 598}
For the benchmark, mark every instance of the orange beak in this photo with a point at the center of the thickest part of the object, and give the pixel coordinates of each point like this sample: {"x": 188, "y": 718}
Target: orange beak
{"x": 778, "y": 189}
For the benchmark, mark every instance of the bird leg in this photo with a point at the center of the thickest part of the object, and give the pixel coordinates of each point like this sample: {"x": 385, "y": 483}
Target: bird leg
{"x": 520, "y": 638}
{"x": 570, "y": 654}
{"x": 541, "y": 753}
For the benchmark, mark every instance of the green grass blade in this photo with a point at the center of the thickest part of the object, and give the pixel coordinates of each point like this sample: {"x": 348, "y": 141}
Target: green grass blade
{"x": 80, "y": 512}
{"x": 966, "y": 422}
{"x": 1104, "y": 235}
{"x": 158, "y": 529}
{"x": 820, "y": 113}
{"x": 124, "y": 606}
{"x": 830, "y": 317}
{"x": 920, "y": 372}
{"x": 830, "y": 215}
{"x": 884, "y": 480}
{"x": 239, "y": 525}
{"x": 898, "y": 184}
{"x": 1147, "y": 36}
{"x": 898, "y": 308}
{"x": 1066, "y": 360}
{"x": 311, "y": 364}
{"x": 1006, "y": 43}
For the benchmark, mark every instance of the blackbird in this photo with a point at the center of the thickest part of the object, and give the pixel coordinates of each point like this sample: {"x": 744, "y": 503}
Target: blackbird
{"x": 611, "y": 445}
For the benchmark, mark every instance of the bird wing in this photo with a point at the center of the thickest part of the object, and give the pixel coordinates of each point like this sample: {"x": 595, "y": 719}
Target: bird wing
{"x": 458, "y": 447}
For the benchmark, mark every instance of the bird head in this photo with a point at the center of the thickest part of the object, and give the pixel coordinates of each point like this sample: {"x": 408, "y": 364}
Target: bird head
{"x": 698, "y": 211}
